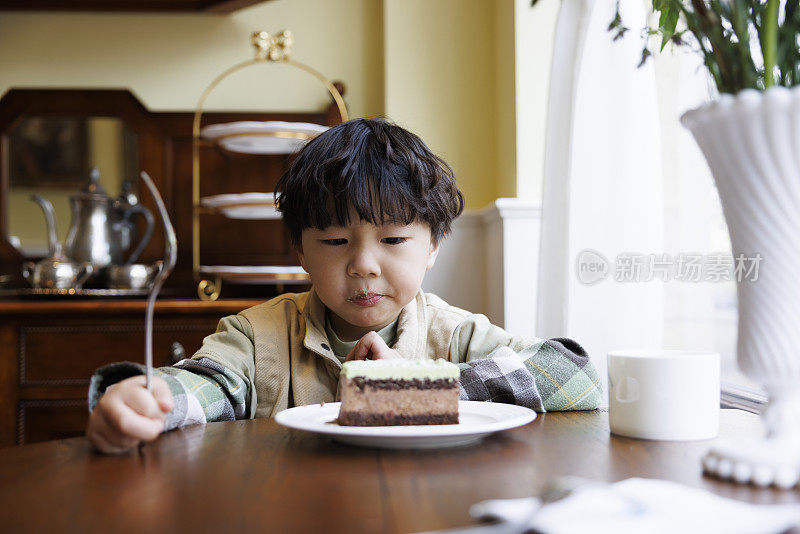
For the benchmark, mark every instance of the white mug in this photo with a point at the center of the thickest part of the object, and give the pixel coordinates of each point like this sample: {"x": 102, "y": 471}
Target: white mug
{"x": 664, "y": 394}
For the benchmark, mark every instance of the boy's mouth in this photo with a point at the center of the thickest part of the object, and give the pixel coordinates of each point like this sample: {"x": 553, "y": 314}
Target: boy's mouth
{"x": 365, "y": 298}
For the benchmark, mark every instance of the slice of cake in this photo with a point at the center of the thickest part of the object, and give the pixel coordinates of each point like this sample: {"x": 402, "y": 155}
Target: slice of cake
{"x": 399, "y": 392}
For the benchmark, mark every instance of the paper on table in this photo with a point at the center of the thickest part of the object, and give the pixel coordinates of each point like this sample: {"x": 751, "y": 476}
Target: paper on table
{"x": 643, "y": 505}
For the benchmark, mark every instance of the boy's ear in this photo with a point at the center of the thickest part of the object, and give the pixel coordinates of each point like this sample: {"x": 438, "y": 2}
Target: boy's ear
{"x": 301, "y": 257}
{"x": 432, "y": 253}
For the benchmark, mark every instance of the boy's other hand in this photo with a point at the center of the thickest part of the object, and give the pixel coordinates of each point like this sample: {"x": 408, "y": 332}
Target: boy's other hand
{"x": 371, "y": 347}
{"x": 127, "y": 413}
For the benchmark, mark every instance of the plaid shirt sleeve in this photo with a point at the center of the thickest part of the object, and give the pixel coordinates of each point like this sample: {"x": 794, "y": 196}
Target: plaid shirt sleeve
{"x": 544, "y": 375}
{"x": 213, "y": 385}
{"x": 202, "y": 390}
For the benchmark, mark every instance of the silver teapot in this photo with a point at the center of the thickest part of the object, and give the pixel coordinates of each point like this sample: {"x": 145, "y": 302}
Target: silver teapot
{"x": 133, "y": 275}
{"x": 55, "y": 271}
{"x": 102, "y": 227}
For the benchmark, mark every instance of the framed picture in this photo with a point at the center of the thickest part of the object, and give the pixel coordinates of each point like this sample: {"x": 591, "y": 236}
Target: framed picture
{"x": 48, "y": 152}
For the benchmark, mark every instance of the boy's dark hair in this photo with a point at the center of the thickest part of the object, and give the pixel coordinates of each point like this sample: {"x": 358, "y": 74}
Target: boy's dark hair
{"x": 382, "y": 171}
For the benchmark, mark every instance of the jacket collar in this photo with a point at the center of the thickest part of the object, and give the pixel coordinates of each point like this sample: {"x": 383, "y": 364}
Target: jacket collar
{"x": 315, "y": 339}
{"x": 411, "y": 329}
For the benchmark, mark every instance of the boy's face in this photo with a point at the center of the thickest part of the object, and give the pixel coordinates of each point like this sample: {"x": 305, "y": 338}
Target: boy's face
{"x": 365, "y": 273}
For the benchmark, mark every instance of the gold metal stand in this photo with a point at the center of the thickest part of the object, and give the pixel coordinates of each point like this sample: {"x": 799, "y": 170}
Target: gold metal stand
{"x": 269, "y": 49}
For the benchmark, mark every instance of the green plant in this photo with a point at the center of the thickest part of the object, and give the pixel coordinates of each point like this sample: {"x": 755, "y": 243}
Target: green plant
{"x": 744, "y": 43}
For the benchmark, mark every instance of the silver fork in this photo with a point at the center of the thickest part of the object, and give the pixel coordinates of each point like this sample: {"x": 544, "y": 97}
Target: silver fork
{"x": 170, "y": 257}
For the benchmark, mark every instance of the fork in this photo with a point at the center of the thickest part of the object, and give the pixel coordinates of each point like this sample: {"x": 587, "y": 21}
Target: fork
{"x": 170, "y": 256}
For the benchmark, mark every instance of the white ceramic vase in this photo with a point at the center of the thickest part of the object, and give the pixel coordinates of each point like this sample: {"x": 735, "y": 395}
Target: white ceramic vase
{"x": 752, "y": 144}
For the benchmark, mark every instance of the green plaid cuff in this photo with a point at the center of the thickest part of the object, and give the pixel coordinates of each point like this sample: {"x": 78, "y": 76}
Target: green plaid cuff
{"x": 202, "y": 390}
{"x": 552, "y": 375}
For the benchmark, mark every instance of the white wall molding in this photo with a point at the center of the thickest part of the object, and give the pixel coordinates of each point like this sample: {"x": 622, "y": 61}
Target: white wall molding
{"x": 512, "y": 250}
{"x": 489, "y": 264}
{"x": 459, "y": 276}
{"x": 510, "y": 208}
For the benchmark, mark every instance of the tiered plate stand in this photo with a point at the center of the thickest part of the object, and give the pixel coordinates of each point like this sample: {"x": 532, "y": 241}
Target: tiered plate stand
{"x": 268, "y": 49}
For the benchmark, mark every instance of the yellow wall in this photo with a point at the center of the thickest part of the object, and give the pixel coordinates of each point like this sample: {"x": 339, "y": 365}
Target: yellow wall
{"x": 472, "y": 78}
{"x": 447, "y": 69}
{"x": 505, "y": 99}
{"x": 440, "y": 84}
{"x": 167, "y": 60}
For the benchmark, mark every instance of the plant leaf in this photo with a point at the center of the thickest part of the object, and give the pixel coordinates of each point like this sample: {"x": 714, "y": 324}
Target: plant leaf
{"x": 668, "y": 20}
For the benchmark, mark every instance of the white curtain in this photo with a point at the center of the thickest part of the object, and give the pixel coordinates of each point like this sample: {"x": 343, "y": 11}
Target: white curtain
{"x": 602, "y": 184}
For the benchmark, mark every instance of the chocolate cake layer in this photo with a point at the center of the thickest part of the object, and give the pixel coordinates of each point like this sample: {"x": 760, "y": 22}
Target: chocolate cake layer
{"x": 393, "y": 419}
{"x": 414, "y": 383}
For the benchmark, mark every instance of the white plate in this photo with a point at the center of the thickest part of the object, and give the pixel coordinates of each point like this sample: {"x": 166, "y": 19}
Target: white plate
{"x": 252, "y": 269}
{"x": 251, "y": 213}
{"x": 270, "y": 137}
{"x": 237, "y": 199}
{"x": 476, "y": 420}
{"x": 251, "y": 206}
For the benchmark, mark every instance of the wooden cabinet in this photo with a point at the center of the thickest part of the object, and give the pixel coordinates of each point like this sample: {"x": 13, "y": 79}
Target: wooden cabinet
{"x": 165, "y": 152}
{"x": 49, "y": 350}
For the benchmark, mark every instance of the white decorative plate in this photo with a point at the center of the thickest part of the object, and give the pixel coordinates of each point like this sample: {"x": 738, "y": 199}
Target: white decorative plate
{"x": 243, "y": 205}
{"x": 237, "y": 199}
{"x": 476, "y": 420}
{"x": 270, "y": 137}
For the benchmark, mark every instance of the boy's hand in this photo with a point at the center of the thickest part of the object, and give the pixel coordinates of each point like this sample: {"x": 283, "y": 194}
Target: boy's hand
{"x": 372, "y": 347}
{"x": 127, "y": 414}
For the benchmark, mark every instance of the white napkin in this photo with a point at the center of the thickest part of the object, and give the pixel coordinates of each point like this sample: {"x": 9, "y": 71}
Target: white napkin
{"x": 641, "y": 505}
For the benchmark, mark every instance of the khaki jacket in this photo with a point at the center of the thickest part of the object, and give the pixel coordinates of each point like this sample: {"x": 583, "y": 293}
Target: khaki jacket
{"x": 280, "y": 349}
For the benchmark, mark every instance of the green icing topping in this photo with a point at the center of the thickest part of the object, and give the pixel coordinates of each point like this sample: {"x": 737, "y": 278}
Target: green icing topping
{"x": 400, "y": 368}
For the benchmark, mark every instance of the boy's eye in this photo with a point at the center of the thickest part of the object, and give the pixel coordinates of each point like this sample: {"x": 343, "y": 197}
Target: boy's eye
{"x": 335, "y": 242}
{"x": 394, "y": 240}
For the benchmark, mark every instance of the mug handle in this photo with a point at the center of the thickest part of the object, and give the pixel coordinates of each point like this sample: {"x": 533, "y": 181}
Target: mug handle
{"x": 626, "y": 390}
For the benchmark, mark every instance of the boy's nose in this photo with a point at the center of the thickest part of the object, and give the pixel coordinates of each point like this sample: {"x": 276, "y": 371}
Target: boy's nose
{"x": 363, "y": 264}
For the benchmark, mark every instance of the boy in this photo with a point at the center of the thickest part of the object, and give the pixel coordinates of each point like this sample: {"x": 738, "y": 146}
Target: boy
{"x": 367, "y": 205}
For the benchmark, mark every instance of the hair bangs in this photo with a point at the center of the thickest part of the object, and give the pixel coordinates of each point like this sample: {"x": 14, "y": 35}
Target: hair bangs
{"x": 376, "y": 200}
{"x": 370, "y": 169}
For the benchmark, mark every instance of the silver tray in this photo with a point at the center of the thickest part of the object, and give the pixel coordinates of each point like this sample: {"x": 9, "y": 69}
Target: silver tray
{"x": 47, "y": 292}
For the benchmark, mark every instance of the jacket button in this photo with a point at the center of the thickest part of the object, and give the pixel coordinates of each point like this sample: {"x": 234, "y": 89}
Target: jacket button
{"x": 326, "y": 347}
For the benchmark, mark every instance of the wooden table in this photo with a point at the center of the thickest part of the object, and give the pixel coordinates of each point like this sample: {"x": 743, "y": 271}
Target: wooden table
{"x": 258, "y": 476}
